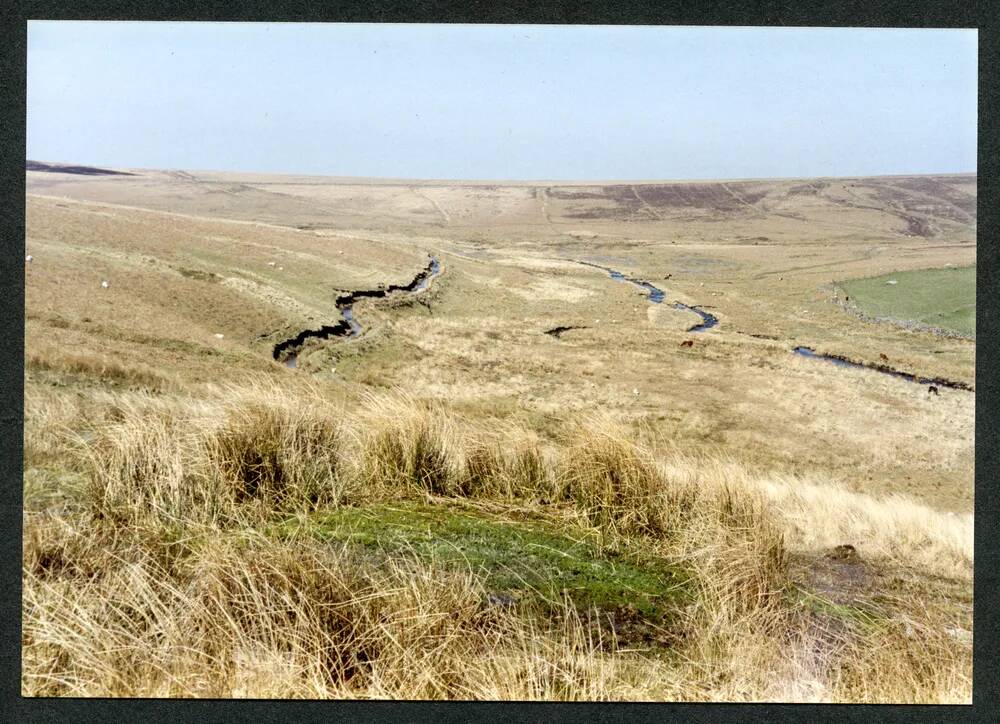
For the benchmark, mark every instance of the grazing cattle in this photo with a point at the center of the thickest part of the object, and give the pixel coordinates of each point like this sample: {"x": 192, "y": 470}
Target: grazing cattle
{"x": 932, "y": 390}
{"x": 881, "y": 356}
{"x": 687, "y": 343}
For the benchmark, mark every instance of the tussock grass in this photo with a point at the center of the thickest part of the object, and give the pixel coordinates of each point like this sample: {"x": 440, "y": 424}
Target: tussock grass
{"x": 256, "y": 617}
{"x": 97, "y": 366}
{"x": 614, "y": 483}
{"x": 278, "y": 456}
{"x": 216, "y": 463}
{"x": 407, "y": 446}
{"x": 509, "y": 466}
{"x": 180, "y": 578}
{"x": 895, "y": 528}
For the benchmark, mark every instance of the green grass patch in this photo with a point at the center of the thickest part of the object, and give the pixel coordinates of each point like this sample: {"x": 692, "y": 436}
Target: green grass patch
{"x": 529, "y": 560}
{"x": 944, "y": 298}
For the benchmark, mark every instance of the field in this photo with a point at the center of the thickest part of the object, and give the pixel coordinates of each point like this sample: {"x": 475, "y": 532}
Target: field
{"x": 461, "y": 502}
{"x": 938, "y": 298}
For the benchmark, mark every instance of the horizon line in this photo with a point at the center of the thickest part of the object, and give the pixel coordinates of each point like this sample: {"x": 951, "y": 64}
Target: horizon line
{"x": 520, "y": 181}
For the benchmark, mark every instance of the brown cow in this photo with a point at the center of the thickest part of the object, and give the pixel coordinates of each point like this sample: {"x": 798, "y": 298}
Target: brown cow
{"x": 932, "y": 390}
{"x": 881, "y": 356}
{"x": 687, "y": 343}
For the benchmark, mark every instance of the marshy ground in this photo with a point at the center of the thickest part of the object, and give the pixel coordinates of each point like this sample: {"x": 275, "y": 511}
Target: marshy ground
{"x": 459, "y": 503}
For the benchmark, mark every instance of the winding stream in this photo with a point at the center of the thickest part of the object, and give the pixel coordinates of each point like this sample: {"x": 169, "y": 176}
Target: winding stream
{"x": 657, "y": 295}
{"x": 348, "y": 326}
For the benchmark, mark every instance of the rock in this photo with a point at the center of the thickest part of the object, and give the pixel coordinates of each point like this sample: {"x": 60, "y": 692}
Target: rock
{"x": 844, "y": 552}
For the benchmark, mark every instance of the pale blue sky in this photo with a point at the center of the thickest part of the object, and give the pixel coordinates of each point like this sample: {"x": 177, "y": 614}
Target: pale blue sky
{"x": 503, "y": 102}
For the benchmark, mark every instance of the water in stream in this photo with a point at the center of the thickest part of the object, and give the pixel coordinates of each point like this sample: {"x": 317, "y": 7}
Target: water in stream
{"x": 348, "y": 326}
{"x": 849, "y": 364}
{"x": 657, "y": 295}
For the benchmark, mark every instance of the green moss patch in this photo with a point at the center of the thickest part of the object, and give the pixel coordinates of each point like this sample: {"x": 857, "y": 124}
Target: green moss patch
{"x": 529, "y": 561}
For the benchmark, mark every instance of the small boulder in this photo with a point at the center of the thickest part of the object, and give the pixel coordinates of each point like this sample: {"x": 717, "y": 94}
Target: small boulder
{"x": 844, "y": 552}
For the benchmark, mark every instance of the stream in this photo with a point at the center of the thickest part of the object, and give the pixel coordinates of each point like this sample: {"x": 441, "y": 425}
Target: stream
{"x": 657, "y": 295}
{"x": 844, "y": 362}
{"x": 348, "y": 326}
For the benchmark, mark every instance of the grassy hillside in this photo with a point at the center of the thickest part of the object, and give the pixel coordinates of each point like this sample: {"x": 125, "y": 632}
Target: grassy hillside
{"x": 456, "y": 504}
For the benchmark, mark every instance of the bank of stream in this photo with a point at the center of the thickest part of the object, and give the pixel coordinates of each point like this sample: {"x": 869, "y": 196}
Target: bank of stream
{"x": 348, "y": 326}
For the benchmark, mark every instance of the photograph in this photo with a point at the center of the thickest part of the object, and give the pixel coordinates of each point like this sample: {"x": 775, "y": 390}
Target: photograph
{"x": 501, "y": 362}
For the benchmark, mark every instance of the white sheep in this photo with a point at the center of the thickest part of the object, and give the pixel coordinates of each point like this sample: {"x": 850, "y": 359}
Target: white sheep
{"x": 29, "y": 258}
{"x": 219, "y": 335}
{"x": 105, "y": 285}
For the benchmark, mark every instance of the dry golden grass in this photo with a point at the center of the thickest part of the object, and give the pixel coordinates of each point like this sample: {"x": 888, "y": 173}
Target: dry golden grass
{"x": 183, "y": 491}
{"x": 168, "y": 583}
